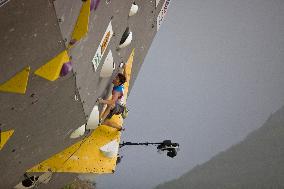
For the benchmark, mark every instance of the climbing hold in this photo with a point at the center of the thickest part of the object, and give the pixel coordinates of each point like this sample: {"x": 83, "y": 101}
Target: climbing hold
{"x": 72, "y": 42}
{"x": 4, "y": 137}
{"x": 110, "y": 150}
{"x": 126, "y": 38}
{"x": 51, "y": 69}
{"x": 18, "y": 83}
{"x": 78, "y": 132}
{"x": 121, "y": 65}
{"x": 108, "y": 66}
{"x": 94, "y": 4}
{"x": 93, "y": 120}
{"x": 133, "y": 9}
{"x": 82, "y": 24}
{"x": 66, "y": 68}
{"x": 92, "y": 123}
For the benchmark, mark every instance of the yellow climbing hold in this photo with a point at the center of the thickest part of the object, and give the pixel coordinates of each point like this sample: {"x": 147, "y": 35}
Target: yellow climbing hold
{"x": 82, "y": 24}
{"x": 51, "y": 69}
{"x": 84, "y": 156}
{"x": 18, "y": 83}
{"x": 4, "y": 137}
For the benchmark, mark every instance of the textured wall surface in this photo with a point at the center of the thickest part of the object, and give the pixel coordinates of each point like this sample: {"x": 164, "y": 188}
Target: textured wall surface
{"x": 32, "y": 33}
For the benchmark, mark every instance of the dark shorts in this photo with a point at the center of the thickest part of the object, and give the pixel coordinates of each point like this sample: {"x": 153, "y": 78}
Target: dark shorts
{"x": 118, "y": 109}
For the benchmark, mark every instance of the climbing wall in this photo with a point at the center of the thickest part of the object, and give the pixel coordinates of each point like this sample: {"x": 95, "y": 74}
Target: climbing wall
{"x": 36, "y": 103}
{"x": 55, "y": 62}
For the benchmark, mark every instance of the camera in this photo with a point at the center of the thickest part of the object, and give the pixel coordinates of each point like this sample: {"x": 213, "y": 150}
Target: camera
{"x": 170, "y": 147}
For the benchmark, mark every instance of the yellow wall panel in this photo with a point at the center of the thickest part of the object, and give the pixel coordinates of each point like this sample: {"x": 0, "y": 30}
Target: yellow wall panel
{"x": 82, "y": 24}
{"x": 5, "y": 136}
{"x": 52, "y": 68}
{"x": 84, "y": 156}
{"x": 18, "y": 83}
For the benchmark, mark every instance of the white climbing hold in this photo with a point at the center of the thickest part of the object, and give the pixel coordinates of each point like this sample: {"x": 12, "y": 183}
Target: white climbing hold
{"x": 125, "y": 41}
{"x": 78, "y": 132}
{"x": 133, "y": 9}
{"x": 93, "y": 119}
{"x": 92, "y": 123}
{"x": 121, "y": 65}
{"x": 108, "y": 66}
{"x": 110, "y": 150}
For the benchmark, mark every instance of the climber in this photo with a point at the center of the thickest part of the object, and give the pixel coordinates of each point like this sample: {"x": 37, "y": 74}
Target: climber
{"x": 116, "y": 104}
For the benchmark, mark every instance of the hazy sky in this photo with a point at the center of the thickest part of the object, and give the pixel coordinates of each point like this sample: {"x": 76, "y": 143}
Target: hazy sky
{"x": 214, "y": 72}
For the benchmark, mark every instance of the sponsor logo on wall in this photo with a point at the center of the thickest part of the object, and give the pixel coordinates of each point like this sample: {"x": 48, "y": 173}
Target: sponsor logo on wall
{"x": 102, "y": 47}
{"x": 162, "y": 13}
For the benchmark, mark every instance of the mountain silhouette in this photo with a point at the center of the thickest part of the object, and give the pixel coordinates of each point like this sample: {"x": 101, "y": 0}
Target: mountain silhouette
{"x": 255, "y": 163}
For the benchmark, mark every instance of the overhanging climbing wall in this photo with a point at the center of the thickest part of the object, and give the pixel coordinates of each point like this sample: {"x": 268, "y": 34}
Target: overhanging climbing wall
{"x": 36, "y": 103}
{"x": 54, "y": 63}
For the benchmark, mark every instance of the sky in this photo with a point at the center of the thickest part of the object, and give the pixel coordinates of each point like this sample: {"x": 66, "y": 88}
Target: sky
{"x": 214, "y": 73}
